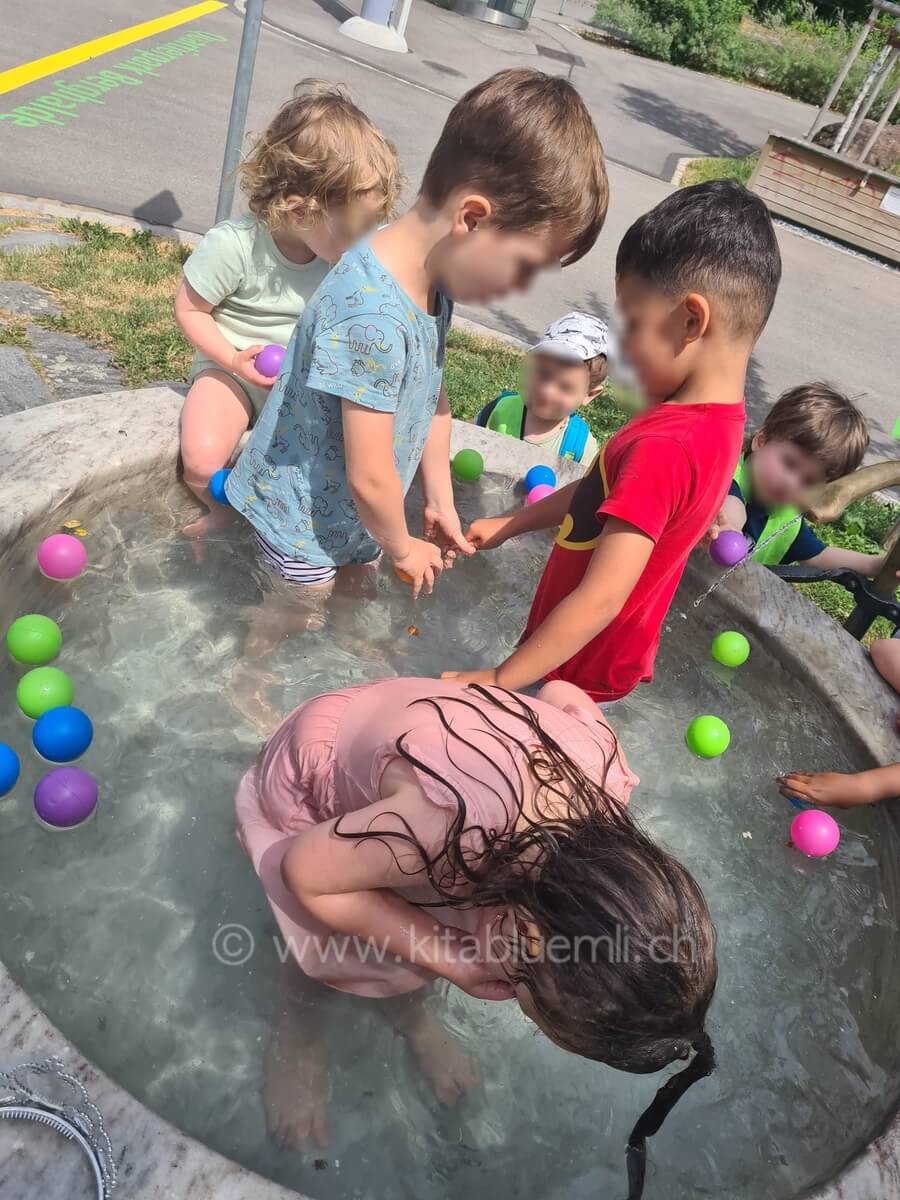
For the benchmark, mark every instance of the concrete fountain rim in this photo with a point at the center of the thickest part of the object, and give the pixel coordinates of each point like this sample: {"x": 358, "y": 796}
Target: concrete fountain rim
{"x": 62, "y": 453}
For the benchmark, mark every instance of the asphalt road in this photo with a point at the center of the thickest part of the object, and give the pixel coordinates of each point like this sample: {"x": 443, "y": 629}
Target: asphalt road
{"x": 152, "y": 148}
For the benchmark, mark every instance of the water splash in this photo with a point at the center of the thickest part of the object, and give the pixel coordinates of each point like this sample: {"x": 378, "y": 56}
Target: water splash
{"x": 754, "y": 546}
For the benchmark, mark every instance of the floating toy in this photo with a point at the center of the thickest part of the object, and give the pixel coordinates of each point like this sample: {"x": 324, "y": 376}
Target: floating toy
{"x": 707, "y": 736}
{"x": 467, "y": 465}
{"x": 730, "y": 648}
{"x": 403, "y": 576}
{"x": 539, "y": 493}
{"x": 539, "y": 474}
{"x": 65, "y": 797}
{"x": 9, "y": 768}
{"x": 62, "y": 734}
{"x": 42, "y": 689}
{"x": 268, "y": 361}
{"x": 34, "y": 640}
{"x": 815, "y": 833}
{"x": 729, "y": 548}
{"x": 217, "y": 487}
{"x": 61, "y": 556}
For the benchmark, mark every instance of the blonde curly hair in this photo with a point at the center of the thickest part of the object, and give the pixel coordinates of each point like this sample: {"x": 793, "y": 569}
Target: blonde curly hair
{"x": 320, "y": 152}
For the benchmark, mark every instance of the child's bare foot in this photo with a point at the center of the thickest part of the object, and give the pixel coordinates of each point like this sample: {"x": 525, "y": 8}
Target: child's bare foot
{"x": 295, "y": 1090}
{"x": 213, "y": 521}
{"x": 450, "y": 1070}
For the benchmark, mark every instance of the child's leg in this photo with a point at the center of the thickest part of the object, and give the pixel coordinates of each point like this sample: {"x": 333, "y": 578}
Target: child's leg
{"x": 295, "y": 1089}
{"x": 886, "y": 659}
{"x": 450, "y": 1070}
{"x": 286, "y": 609}
{"x": 216, "y": 413}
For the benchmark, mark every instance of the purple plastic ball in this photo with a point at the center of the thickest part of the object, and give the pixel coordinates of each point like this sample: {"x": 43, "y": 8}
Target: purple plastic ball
{"x": 729, "y": 548}
{"x": 65, "y": 797}
{"x": 268, "y": 361}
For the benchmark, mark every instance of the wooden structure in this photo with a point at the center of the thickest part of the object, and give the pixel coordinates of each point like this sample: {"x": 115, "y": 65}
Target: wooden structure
{"x": 832, "y": 191}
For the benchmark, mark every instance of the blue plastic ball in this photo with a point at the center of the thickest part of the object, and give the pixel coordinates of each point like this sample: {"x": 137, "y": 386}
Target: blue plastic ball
{"x": 539, "y": 474}
{"x": 62, "y": 734}
{"x": 217, "y": 487}
{"x": 9, "y": 768}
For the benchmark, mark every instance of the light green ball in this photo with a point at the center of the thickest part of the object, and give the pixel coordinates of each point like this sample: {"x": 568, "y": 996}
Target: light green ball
{"x": 467, "y": 465}
{"x": 707, "y": 736}
{"x": 33, "y": 639}
{"x": 730, "y": 648}
{"x": 42, "y": 689}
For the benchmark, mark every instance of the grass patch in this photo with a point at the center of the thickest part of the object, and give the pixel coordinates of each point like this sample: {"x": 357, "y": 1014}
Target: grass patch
{"x": 116, "y": 290}
{"x": 702, "y": 170}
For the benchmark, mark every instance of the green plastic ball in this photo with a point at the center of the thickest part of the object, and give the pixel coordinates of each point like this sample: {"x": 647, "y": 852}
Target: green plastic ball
{"x": 730, "y": 648}
{"x": 467, "y": 465}
{"x": 42, "y": 689}
{"x": 33, "y": 639}
{"x": 707, "y": 736}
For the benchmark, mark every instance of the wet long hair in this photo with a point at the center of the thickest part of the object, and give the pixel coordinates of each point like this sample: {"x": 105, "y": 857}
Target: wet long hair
{"x": 581, "y": 869}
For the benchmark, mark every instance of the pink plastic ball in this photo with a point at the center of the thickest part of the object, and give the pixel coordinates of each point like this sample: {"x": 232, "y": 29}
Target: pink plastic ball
{"x": 815, "y": 833}
{"x": 539, "y": 492}
{"x": 268, "y": 361}
{"x": 61, "y": 556}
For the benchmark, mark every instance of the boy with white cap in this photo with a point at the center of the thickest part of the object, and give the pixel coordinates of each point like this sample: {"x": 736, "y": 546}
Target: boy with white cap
{"x": 565, "y": 371}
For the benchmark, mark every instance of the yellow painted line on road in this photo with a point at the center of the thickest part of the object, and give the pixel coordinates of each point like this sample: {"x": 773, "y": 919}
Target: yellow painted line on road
{"x": 40, "y": 68}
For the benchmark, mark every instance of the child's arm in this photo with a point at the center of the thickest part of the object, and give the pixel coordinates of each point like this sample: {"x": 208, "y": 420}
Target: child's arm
{"x": 441, "y": 522}
{"x": 378, "y": 493}
{"x": 347, "y": 884}
{"x": 833, "y": 556}
{"x": 732, "y": 515}
{"x": 616, "y": 565}
{"x": 195, "y": 319}
{"x": 843, "y": 791}
{"x": 487, "y": 533}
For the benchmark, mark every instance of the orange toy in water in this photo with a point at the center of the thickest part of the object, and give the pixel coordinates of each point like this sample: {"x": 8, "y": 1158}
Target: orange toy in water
{"x": 402, "y": 575}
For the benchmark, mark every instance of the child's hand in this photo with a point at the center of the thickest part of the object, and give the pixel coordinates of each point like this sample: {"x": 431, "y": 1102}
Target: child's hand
{"x": 479, "y": 977}
{"x": 487, "y": 533}
{"x": 422, "y": 563}
{"x": 242, "y": 366}
{"x": 488, "y": 676}
{"x": 830, "y": 788}
{"x": 445, "y": 531}
{"x": 719, "y": 525}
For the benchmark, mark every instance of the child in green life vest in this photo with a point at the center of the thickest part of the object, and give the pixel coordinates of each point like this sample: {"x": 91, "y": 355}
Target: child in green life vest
{"x": 812, "y": 435}
{"x": 565, "y": 371}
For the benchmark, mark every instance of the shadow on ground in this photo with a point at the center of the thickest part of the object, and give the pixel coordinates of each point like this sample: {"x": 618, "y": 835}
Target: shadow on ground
{"x": 690, "y": 125}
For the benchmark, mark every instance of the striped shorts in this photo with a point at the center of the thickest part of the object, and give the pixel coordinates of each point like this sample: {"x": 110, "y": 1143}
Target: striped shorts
{"x": 294, "y": 570}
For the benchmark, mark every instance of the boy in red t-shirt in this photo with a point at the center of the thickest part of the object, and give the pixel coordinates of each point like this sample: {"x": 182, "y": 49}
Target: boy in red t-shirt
{"x": 695, "y": 280}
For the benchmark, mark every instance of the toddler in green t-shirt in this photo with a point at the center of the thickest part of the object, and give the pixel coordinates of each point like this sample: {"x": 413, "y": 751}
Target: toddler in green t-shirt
{"x": 320, "y": 176}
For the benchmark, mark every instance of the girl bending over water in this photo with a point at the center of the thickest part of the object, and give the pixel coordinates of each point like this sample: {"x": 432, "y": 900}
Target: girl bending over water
{"x": 411, "y": 830}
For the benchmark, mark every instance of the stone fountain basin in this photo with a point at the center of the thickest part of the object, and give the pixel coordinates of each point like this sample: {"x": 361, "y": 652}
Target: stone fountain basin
{"x": 105, "y": 448}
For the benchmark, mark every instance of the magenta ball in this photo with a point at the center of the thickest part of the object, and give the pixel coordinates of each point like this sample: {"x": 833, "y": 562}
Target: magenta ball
{"x": 729, "y": 548}
{"x": 65, "y": 797}
{"x": 539, "y": 492}
{"x": 815, "y": 833}
{"x": 61, "y": 556}
{"x": 268, "y": 361}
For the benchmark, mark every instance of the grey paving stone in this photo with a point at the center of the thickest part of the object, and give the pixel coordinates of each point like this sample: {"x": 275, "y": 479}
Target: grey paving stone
{"x": 20, "y": 385}
{"x": 72, "y": 366}
{"x": 35, "y": 240}
{"x": 26, "y": 301}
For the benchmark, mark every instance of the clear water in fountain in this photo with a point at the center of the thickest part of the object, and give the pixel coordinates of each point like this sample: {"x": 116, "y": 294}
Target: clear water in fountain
{"x": 111, "y": 927}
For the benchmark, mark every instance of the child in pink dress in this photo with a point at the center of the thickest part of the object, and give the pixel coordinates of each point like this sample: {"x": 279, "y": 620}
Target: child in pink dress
{"x": 410, "y": 829}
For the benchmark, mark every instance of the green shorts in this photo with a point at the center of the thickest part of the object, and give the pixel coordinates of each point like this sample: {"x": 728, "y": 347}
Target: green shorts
{"x": 257, "y": 396}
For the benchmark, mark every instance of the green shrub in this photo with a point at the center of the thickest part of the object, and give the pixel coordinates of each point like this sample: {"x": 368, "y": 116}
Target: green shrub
{"x": 704, "y": 32}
